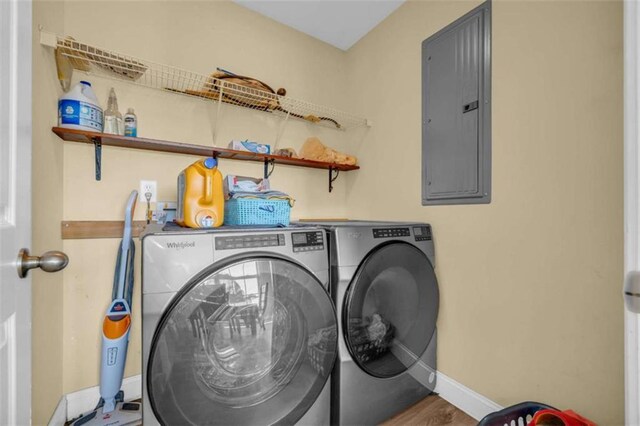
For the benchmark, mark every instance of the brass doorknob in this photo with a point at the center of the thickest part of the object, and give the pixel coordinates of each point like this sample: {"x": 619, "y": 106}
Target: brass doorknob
{"x": 51, "y": 261}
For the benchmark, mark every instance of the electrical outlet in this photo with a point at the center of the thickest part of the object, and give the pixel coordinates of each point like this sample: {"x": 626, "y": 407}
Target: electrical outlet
{"x": 148, "y": 186}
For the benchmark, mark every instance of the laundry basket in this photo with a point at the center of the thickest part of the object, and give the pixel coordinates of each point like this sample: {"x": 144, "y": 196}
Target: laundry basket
{"x": 363, "y": 348}
{"x": 516, "y": 415}
{"x": 256, "y": 211}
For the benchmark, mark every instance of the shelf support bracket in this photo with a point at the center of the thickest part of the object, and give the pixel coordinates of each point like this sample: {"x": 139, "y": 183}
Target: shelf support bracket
{"x": 217, "y": 119}
{"x": 269, "y": 162}
{"x": 97, "y": 143}
{"x": 332, "y": 177}
{"x": 281, "y": 127}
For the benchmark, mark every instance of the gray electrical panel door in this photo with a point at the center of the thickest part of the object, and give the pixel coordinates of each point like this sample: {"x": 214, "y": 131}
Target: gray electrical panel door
{"x": 456, "y": 112}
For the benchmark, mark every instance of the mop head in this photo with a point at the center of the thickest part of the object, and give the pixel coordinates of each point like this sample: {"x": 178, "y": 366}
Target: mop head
{"x": 126, "y": 413}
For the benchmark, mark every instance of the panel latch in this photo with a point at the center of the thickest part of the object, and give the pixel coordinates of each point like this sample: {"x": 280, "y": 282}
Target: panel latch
{"x": 470, "y": 106}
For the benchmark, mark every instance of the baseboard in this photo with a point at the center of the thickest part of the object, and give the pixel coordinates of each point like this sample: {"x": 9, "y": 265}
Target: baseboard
{"x": 59, "y": 416}
{"x": 469, "y": 401}
{"x": 73, "y": 404}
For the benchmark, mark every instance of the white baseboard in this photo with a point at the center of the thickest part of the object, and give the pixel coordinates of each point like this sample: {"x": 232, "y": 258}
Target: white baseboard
{"x": 467, "y": 400}
{"x": 73, "y": 404}
{"x": 59, "y": 416}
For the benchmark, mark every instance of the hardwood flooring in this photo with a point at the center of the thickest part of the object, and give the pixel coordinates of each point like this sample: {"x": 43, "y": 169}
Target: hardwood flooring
{"x": 431, "y": 411}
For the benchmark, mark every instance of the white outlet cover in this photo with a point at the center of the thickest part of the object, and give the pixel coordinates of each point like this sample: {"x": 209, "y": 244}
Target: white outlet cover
{"x": 148, "y": 186}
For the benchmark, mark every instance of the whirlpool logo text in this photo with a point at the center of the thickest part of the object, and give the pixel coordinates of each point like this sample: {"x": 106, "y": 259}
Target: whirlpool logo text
{"x": 181, "y": 245}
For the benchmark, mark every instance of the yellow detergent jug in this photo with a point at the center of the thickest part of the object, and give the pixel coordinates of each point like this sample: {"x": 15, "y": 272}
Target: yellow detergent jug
{"x": 200, "y": 195}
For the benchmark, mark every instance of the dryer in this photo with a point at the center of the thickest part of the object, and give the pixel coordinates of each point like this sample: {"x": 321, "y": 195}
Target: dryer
{"x": 238, "y": 326}
{"x": 386, "y": 294}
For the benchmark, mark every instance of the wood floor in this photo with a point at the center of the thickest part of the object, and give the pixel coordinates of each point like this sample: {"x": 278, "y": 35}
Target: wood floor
{"x": 431, "y": 411}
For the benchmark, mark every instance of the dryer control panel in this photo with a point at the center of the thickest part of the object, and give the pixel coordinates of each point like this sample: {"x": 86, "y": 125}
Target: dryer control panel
{"x": 391, "y": 232}
{"x": 422, "y": 233}
{"x": 249, "y": 241}
{"x": 307, "y": 241}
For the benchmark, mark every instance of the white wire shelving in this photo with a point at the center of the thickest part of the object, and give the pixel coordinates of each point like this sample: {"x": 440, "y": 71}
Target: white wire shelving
{"x": 74, "y": 55}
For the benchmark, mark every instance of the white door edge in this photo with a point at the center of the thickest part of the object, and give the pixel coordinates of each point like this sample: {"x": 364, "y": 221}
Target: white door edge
{"x": 631, "y": 202}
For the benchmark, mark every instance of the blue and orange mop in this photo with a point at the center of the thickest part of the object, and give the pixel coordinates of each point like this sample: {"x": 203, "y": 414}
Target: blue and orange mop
{"x": 111, "y": 409}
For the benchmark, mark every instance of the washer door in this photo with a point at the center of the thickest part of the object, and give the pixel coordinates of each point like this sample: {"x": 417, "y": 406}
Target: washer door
{"x": 391, "y": 309}
{"x": 252, "y": 341}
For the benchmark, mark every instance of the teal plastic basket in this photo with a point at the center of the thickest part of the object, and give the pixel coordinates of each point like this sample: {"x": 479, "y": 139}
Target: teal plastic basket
{"x": 255, "y": 211}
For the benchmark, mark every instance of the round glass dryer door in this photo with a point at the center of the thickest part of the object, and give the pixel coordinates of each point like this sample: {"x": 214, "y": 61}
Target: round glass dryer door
{"x": 249, "y": 342}
{"x": 391, "y": 309}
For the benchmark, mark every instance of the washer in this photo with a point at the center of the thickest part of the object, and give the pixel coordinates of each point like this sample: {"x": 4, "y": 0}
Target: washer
{"x": 386, "y": 295}
{"x": 238, "y": 326}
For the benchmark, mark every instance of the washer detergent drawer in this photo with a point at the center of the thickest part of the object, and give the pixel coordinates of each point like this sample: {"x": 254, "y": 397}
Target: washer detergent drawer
{"x": 168, "y": 261}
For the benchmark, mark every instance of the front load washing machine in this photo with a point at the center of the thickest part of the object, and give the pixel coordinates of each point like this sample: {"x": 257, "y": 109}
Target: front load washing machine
{"x": 238, "y": 327}
{"x": 386, "y": 295}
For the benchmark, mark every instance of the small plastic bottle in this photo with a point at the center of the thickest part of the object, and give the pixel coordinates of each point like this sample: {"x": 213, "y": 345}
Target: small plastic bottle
{"x": 130, "y": 123}
{"x": 112, "y": 118}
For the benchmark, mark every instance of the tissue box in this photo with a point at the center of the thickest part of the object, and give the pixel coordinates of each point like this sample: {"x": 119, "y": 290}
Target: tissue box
{"x": 247, "y": 145}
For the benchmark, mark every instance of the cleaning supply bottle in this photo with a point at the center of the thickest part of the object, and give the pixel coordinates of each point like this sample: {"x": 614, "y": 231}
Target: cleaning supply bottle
{"x": 79, "y": 109}
{"x": 200, "y": 195}
{"x": 112, "y": 117}
{"x": 130, "y": 124}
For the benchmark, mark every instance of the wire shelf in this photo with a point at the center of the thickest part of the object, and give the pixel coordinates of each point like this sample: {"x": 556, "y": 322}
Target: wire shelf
{"x": 75, "y": 55}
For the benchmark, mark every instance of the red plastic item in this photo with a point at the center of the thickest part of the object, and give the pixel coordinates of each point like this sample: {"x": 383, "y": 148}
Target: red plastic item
{"x": 567, "y": 417}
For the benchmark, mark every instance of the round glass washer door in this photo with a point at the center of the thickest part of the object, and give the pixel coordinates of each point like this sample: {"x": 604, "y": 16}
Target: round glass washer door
{"x": 390, "y": 310}
{"x": 248, "y": 342}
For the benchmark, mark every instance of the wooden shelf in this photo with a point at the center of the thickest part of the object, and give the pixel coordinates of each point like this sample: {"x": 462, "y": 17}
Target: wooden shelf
{"x": 83, "y": 136}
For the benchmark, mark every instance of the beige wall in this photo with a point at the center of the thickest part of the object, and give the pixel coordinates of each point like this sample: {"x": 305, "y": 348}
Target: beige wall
{"x": 530, "y": 284}
{"x": 197, "y": 36}
{"x": 47, "y": 289}
{"x": 530, "y": 303}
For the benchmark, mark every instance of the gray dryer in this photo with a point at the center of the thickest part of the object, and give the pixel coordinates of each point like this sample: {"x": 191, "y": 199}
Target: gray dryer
{"x": 386, "y": 294}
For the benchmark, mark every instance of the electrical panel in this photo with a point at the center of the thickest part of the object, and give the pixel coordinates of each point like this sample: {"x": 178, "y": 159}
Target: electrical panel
{"x": 456, "y": 111}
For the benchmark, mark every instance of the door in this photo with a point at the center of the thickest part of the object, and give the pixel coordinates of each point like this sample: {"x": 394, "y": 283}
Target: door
{"x": 251, "y": 341}
{"x": 15, "y": 210}
{"x": 632, "y": 212}
{"x": 390, "y": 311}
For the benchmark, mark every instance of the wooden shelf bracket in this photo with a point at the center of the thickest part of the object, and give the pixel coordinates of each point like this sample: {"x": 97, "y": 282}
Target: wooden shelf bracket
{"x": 97, "y": 143}
{"x": 332, "y": 177}
{"x": 269, "y": 162}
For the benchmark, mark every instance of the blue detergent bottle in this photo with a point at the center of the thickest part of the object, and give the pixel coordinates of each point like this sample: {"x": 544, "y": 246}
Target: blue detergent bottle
{"x": 79, "y": 109}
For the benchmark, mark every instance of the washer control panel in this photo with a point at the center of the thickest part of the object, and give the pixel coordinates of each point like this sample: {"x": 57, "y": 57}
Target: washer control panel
{"x": 307, "y": 241}
{"x": 391, "y": 232}
{"x": 422, "y": 233}
{"x": 249, "y": 241}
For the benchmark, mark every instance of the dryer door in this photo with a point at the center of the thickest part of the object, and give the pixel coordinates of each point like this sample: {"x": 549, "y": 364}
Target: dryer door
{"x": 251, "y": 341}
{"x": 390, "y": 310}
